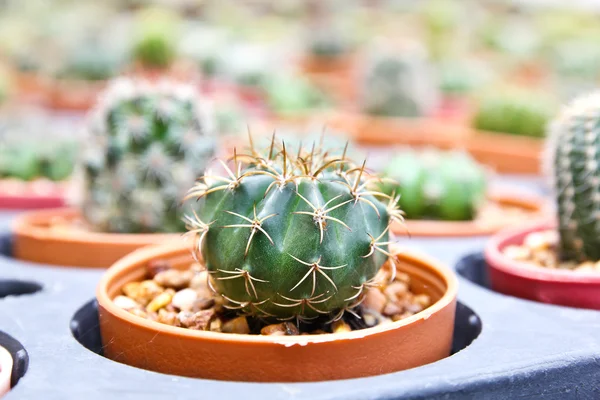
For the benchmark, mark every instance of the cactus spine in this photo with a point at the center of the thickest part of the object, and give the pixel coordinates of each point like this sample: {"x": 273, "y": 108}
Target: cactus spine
{"x": 291, "y": 235}
{"x": 574, "y": 157}
{"x": 148, "y": 144}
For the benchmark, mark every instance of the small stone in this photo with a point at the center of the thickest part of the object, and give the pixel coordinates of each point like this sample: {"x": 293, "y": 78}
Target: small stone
{"x": 517, "y": 253}
{"x": 283, "y": 329}
{"x": 203, "y": 304}
{"x": 216, "y": 325}
{"x": 413, "y": 308}
{"x": 392, "y": 309}
{"x": 199, "y": 283}
{"x": 395, "y": 289}
{"x": 546, "y": 258}
{"x": 125, "y": 303}
{"x": 317, "y": 332}
{"x": 159, "y": 301}
{"x": 184, "y": 299}
{"x": 537, "y": 241}
{"x": 597, "y": 266}
{"x": 138, "y": 312}
{"x": 131, "y": 289}
{"x": 174, "y": 278}
{"x": 340, "y": 326}
{"x": 167, "y": 317}
{"x": 147, "y": 291}
{"x": 236, "y": 325}
{"x": 374, "y": 300}
{"x": 370, "y": 319}
{"x": 155, "y": 267}
{"x": 423, "y": 300}
{"x": 402, "y": 277}
{"x": 402, "y": 316}
{"x": 587, "y": 266}
{"x": 198, "y": 321}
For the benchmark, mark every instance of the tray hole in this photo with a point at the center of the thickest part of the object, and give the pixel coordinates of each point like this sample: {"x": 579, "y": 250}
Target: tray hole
{"x": 14, "y": 287}
{"x": 473, "y": 268}
{"x": 19, "y": 355}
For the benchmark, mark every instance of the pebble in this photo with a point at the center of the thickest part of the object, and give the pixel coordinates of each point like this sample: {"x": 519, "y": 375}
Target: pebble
{"x": 283, "y": 329}
{"x": 374, "y": 300}
{"x": 537, "y": 241}
{"x": 167, "y": 317}
{"x": 198, "y": 321}
{"x": 174, "y": 278}
{"x": 199, "y": 283}
{"x": 340, "y": 326}
{"x": 216, "y": 325}
{"x": 391, "y": 309}
{"x": 203, "y": 304}
{"x": 185, "y": 299}
{"x": 156, "y": 266}
{"x": 517, "y": 253}
{"x": 125, "y": 302}
{"x": 160, "y": 301}
{"x": 395, "y": 290}
{"x": 236, "y": 325}
{"x": 147, "y": 291}
{"x": 131, "y": 289}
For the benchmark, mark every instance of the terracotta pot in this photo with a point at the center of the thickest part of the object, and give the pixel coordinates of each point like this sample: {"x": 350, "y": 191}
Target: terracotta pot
{"x": 337, "y": 77}
{"x": 34, "y": 239}
{"x": 411, "y": 132}
{"x": 511, "y": 154}
{"x": 561, "y": 287}
{"x": 454, "y": 109}
{"x": 476, "y": 227}
{"x": 6, "y": 365}
{"x": 19, "y": 195}
{"x": 74, "y": 95}
{"x": 31, "y": 86}
{"x": 423, "y": 338}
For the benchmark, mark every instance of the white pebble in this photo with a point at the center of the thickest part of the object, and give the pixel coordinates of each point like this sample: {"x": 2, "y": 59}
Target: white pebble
{"x": 184, "y": 299}
{"x": 125, "y": 302}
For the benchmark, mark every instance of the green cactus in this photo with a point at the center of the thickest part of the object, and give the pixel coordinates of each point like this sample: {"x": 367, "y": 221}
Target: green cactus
{"x": 514, "y": 111}
{"x": 91, "y": 61}
{"x": 155, "y": 43}
{"x": 290, "y": 94}
{"x": 149, "y": 142}
{"x": 400, "y": 85}
{"x": 291, "y": 235}
{"x": 573, "y": 156}
{"x": 434, "y": 185}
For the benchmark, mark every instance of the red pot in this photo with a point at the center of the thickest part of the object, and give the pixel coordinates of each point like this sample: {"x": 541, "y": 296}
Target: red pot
{"x": 561, "y": 287}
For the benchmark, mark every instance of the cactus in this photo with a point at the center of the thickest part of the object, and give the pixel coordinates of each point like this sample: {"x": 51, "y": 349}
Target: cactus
{"x": 291, "y": 235}
{"x": 400, "y": 85}
{"x": 573, "y": 155}
{"x": 433, "y": 185}
{"x": 514, "y": 111}
{"x": 149, "y": 142}
{"x": 289, "y": 94}
{"x": 155, "y": 44}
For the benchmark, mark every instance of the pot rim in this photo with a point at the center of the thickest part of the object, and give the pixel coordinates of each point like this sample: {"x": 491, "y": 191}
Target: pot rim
{"x": 148, "y": 253}
{"x": 429, "y": 228}
{"x": 495, "y": 259}
{"x": 32, "y": 224}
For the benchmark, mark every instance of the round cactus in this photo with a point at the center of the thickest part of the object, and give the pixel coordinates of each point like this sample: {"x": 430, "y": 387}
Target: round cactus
{"x": 291, "y": 235}
{"x": 148, "y": 144}
{"x": 434, "y": 185}
{"x": 574, "y": 157}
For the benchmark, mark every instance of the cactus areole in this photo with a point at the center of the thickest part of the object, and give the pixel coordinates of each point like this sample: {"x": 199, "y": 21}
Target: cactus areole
{"x": 292, "y": 236}
{"x": 574, "y": 158}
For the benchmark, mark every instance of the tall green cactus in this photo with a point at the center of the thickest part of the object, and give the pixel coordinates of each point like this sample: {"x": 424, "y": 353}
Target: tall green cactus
{"x": 574, "y": 159}
{"x": 148, "y": 144}
{"x": 291, "y": 235}
{"x": 436, "y": 185}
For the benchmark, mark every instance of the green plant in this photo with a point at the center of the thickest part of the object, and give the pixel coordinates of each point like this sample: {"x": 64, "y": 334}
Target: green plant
{"x": 291, "y": 235}
{"x": 436, "y": 185}
{"x": 291, "y": 94}
{"x": 91, "y": 62}
{"x": 399, "y": 85}
{"x": 515, "y": 111}
{"x": 155, "y": 43}
{"x": 148, "y": 144}
{"x": 324, "y": 42}
{"x": 573, "y": 155}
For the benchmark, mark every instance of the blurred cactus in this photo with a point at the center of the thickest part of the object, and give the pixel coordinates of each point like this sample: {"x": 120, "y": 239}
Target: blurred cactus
{"x": 156, "y": 36}
{"x": 298, "y": 235}
{"x": 573, "y": 155}
{"x": 514, "y": 111}
{"x": 90, "y": 61}
{"x": 148, "y": 144}
{"x": 291, "y": 94}
{"x": 435, "y": 185}
{"x": 399, "y": 85}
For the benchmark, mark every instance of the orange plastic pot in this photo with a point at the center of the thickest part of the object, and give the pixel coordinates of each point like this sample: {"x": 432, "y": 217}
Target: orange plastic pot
{"x": 35, "y": 240}
{"x": 477, "y": 227}
{"x": 74, "y": 95}
{"x": 511, "y": 154}
{"x": 553, "y": 286}
{"x": 421, "y": 339}
{"x": 6, "y": 365}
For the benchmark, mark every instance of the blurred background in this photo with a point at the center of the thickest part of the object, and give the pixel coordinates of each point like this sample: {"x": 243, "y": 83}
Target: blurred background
{"x": 487, "y": 65}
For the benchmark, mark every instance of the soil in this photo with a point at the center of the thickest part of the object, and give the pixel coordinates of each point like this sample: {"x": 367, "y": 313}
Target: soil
{"x": 541, "y": 249}
{"x": 184, "y": 298}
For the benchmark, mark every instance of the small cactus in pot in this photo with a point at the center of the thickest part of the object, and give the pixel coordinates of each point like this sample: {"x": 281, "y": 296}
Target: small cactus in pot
{"x": 148, "y": 144}
{"x": 573, "y": 160}
{"x": 436, "y": 185}
{"x": 292, "y": 235}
